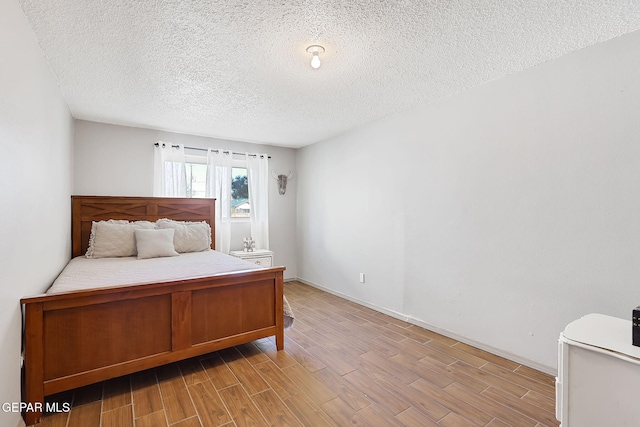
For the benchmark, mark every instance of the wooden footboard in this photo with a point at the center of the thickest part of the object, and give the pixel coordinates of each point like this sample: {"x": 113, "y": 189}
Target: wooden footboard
{"x": 78, "y": 338}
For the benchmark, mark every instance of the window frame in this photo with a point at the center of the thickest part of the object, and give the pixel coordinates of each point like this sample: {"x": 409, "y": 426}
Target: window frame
{"x": 195, "y": 160}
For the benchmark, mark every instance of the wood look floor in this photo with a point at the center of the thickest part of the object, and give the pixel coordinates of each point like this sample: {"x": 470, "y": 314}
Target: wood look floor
{"x": 343, "y": 364}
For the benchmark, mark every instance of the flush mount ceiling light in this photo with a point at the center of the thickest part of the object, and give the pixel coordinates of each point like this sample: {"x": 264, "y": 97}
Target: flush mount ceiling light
{"x": 315, "y": 49}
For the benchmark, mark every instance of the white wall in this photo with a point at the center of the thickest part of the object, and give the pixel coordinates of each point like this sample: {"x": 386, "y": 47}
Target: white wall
{"x": 113, "y": 160}
{"x": 36, "y": 144}
{"x": 498, "y": 215}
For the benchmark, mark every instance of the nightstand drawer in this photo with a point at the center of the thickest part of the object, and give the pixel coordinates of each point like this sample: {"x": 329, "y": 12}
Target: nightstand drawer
{"x": 264, "y": 261}
{"x": 261, "y": 257}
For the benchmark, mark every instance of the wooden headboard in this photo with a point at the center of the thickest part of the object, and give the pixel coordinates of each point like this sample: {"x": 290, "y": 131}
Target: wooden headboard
{"x": 85, "y": 209}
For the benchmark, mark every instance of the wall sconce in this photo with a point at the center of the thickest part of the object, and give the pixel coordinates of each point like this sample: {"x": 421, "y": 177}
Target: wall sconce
{"x": 315, "y": 49}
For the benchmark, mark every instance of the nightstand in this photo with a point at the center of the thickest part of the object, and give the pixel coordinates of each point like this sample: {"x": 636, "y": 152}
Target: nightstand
{"x": 261, "y": 257}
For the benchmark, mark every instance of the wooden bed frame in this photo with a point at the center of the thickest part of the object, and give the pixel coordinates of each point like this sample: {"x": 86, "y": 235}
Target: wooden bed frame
{"x": 77, "y": 338}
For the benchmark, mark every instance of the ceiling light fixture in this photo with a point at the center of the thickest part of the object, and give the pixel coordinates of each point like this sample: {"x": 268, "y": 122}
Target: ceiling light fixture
{"x": 315, "y": 49}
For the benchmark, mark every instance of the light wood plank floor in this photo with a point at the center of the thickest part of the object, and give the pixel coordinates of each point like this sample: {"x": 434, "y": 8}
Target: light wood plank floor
{"x": 343, "y": 364}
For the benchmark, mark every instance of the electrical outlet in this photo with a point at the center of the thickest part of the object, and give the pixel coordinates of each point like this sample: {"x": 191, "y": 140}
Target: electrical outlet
{"x": 361, "y": 277}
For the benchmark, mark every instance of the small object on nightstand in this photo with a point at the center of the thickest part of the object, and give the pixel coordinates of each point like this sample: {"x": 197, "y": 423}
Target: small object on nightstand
{"x": 635, "y": 326}
{"x": 261, "y": 257}
{"x": 248, "y": 244}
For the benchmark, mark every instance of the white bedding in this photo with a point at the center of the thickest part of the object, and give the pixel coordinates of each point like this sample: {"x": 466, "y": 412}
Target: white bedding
{"x": 85, "y": 273}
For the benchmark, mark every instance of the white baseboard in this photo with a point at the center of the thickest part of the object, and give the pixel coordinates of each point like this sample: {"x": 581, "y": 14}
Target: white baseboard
{"x": 409, "y": 319}
{"x": 383, "y": 310}
{"x": 513, "y": 357}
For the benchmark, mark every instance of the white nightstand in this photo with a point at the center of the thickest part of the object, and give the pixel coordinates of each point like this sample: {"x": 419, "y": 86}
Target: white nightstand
{"x": 261, "y": 257}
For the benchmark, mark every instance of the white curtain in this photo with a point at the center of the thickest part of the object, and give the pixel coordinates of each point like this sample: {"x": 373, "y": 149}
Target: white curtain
{"x": 219, "y": 165}
{"x": 258, "y": 177}
{"x": 169, "y": 171}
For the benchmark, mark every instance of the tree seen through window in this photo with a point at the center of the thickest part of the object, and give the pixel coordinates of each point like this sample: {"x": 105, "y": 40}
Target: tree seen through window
{"x": 239, "y": 193}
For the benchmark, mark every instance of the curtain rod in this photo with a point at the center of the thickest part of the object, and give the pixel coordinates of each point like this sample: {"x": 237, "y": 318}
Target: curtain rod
{"x": 157, "y": 144}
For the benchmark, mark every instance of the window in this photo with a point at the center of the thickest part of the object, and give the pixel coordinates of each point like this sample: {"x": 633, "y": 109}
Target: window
{"x": 197, "y": 184}
{"x": 176, "y": 174}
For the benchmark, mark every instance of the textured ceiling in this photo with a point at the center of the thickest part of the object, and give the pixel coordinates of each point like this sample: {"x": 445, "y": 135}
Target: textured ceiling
{"x": 238, "y": 69}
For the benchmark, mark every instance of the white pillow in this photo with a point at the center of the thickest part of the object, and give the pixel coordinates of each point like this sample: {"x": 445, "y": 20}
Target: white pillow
{"x": 189, "y": 236}
{"x": 155, "y": 243}
{"x": 114, "y": 238}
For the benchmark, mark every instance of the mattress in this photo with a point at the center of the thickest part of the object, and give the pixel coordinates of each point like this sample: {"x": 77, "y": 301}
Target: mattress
{"x": 83, "y": 273}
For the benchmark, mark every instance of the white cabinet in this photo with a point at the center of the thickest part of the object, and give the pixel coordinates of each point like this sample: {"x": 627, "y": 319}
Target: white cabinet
{"x": 261, "y": 257}
{"x": 598, "y": 381}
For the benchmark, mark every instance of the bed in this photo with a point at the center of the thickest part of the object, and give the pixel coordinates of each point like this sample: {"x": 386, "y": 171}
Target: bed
{"x": 77, "y": 337}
